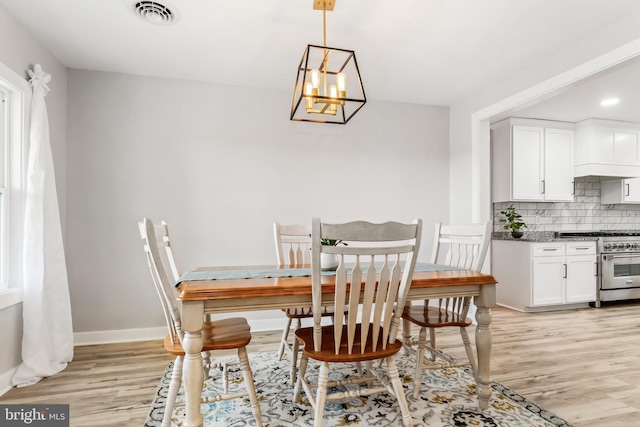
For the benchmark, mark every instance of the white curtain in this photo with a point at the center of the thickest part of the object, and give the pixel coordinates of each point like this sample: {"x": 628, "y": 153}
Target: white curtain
{"x": 47, "y": 342}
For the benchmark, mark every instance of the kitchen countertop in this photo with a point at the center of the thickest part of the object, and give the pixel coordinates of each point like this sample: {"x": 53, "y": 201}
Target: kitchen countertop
{"x": 539, "y": 236}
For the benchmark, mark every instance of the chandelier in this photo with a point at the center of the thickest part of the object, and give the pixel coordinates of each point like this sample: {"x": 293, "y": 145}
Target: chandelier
{"x": 328, "y": 86}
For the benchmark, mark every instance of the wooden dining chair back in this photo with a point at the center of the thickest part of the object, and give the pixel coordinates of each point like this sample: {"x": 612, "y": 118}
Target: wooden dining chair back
{"x": 293, "y": 249}
{"x": 164, "y": 241}
{"x": 464, "y": 246}
{"x": 372, "y": 290}
{"x": 226, "y": 334}
{"x": 293, "y": 244}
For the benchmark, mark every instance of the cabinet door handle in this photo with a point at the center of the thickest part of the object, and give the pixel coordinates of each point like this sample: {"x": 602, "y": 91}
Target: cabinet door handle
{"x": 549, "y": 249}
{"x": 627, "y": 185}
{"x": 596, "y": 265}
{"x": 573, "y": 193}
{"x": 543, "y": 187}
{"x": 565, "y": 271}
{"x": 582, "y": 248}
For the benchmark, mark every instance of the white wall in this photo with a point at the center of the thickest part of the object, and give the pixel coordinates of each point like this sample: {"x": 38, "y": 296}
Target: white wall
{"x": 220, "y": 164}
{"x": 19, "y": 51}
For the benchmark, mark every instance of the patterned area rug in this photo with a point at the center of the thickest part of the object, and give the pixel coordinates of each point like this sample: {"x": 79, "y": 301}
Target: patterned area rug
{"x": 447, "y": 398}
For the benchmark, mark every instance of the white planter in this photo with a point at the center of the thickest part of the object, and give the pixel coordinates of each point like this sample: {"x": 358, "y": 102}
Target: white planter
{"x": 329, "y": 261}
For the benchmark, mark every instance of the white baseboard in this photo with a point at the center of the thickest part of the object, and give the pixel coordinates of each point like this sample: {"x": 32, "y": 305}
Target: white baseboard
{"x": 119, "y": 335}
{"x": 147, "y": 334}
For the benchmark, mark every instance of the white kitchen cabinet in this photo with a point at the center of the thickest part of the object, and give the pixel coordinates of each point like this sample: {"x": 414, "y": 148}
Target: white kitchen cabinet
{"x": 547, "y": 278}
{"x": 607, "y": 148}
{"x": 620, "y": 191}
{"x": 535, "y": 276}
{"x": 532, "y": 161}
{"x": 582, "y": 274}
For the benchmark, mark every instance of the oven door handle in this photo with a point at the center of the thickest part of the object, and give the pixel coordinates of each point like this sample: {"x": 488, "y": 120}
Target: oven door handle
{"x": 608, "y": 257}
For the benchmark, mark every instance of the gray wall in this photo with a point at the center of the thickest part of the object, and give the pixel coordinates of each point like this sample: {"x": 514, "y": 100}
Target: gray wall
{"x": 220, "y": 164}
{"x": 19, "y": 51}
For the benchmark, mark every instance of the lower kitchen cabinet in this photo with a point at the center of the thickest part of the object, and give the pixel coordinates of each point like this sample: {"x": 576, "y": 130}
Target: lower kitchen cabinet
{"x": 533, "y": 276}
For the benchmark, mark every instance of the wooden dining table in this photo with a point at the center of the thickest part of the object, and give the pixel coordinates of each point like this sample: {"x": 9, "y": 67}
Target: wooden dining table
{"x": 239, "y": 290}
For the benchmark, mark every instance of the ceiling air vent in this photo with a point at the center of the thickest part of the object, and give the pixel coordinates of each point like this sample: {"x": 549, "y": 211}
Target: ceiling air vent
{"x": 154, "y": 12}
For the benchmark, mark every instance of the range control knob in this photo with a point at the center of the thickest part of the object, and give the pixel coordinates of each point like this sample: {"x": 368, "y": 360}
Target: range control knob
{"x": 627, "y": 245}
{"x": 613, "y": 245}
{"x": 634, "y": 245}
{"x": 607, "y": 245}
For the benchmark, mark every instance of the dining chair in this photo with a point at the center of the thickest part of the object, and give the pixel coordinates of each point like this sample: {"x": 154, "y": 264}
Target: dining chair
{"x": 293, "y": 249}
{"x": 374, "y": 287}
{"x": 464, "y": 246}
{"x": 225, "y": 334}
{"x": 164, "y": 242}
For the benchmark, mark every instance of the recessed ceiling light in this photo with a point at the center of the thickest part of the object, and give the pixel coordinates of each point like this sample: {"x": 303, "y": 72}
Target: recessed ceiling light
{"x": 609, "y": 102}
{"x": 154, "y": 12}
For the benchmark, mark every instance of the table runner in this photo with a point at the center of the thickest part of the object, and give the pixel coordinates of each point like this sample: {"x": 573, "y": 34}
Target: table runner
{"x": 280, "y": 272}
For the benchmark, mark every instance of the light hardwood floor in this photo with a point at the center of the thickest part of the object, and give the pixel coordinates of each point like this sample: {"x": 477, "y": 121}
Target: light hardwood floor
{"x": 583, "y": 365}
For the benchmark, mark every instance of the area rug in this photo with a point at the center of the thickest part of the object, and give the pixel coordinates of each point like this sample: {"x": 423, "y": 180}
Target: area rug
{"x": 448, "y": 398}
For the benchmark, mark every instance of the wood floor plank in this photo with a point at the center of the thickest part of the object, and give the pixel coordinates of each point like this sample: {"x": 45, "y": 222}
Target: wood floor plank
{"x": 583, "y": 365}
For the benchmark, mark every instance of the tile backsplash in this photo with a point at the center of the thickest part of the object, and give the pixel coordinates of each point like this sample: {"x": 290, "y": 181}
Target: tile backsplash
{"x": 584, "y": 214}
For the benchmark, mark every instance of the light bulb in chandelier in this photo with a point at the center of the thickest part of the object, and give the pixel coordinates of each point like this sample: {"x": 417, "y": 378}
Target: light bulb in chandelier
{"x": 341, "y": 81}
{"x": 333, "y": 94}
{"x": 315, "y": 78}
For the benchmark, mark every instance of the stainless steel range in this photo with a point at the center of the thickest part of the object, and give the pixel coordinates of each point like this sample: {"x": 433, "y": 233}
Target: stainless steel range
{"x": 618, "y": 263}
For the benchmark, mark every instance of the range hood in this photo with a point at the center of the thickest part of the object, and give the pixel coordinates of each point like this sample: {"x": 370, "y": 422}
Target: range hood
{"x": 607, "y": 149}
{"x": 606, "y": 171}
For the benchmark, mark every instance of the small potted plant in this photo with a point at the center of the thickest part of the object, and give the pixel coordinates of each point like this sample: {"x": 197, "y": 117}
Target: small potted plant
{"x": 330, "y": 261}
{"x": 514, "y": 222}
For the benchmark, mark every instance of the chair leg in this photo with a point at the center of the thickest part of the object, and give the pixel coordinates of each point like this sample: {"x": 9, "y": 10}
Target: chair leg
{"x": 469, "y": 350}
{"x": 432, "y": 339}
{"x": 294, "y": 362}
{"x": 323, "y": 378}
{"x": 206, "y": 363}
{"x": 406, "y": 336}
{"x": 301, "y": 373}
{"x": 285, "y": 336}
{"x": 369, "y": 365}
{"x": 174, "y": 387}
{"x": 248, "y": 379}
{"x": 399, "y": 392}
{"x": 417, "y": 380}
{"x": 225, "y": 378}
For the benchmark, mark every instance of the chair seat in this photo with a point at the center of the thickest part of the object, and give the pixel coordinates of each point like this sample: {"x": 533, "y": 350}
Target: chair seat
{"x": 433, "y": 317}
{"x": 307, "y": 312}
{"x": 223, "y": 334}
{"x": 328, "y": 353}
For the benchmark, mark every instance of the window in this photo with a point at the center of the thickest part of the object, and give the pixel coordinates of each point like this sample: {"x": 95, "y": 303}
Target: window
{"x": 15, "y": 96}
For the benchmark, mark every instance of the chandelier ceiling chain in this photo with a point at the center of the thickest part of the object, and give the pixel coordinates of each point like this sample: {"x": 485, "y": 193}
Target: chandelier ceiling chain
{"x": 331, "y": 105}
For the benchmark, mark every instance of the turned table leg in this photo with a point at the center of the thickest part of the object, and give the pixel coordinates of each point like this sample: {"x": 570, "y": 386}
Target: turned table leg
{"x": 192, "y": 317}
{"x": 484, "y": 303}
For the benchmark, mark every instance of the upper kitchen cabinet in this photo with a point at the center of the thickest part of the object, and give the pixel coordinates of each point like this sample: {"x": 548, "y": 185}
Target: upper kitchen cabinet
{"x": 607, "y": 148}
{"x": 620, "y": 191}
{"x": 532, "y": 160}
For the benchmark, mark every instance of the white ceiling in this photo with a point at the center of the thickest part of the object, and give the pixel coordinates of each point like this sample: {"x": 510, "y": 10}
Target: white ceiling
{"x": 419, "y": 51}
{"x": 582, "y": 101}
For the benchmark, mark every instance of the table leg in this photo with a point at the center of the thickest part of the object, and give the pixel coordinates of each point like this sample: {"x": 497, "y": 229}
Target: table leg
{"x": 192, "y": 317}
{"x": 484, "y": 302}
